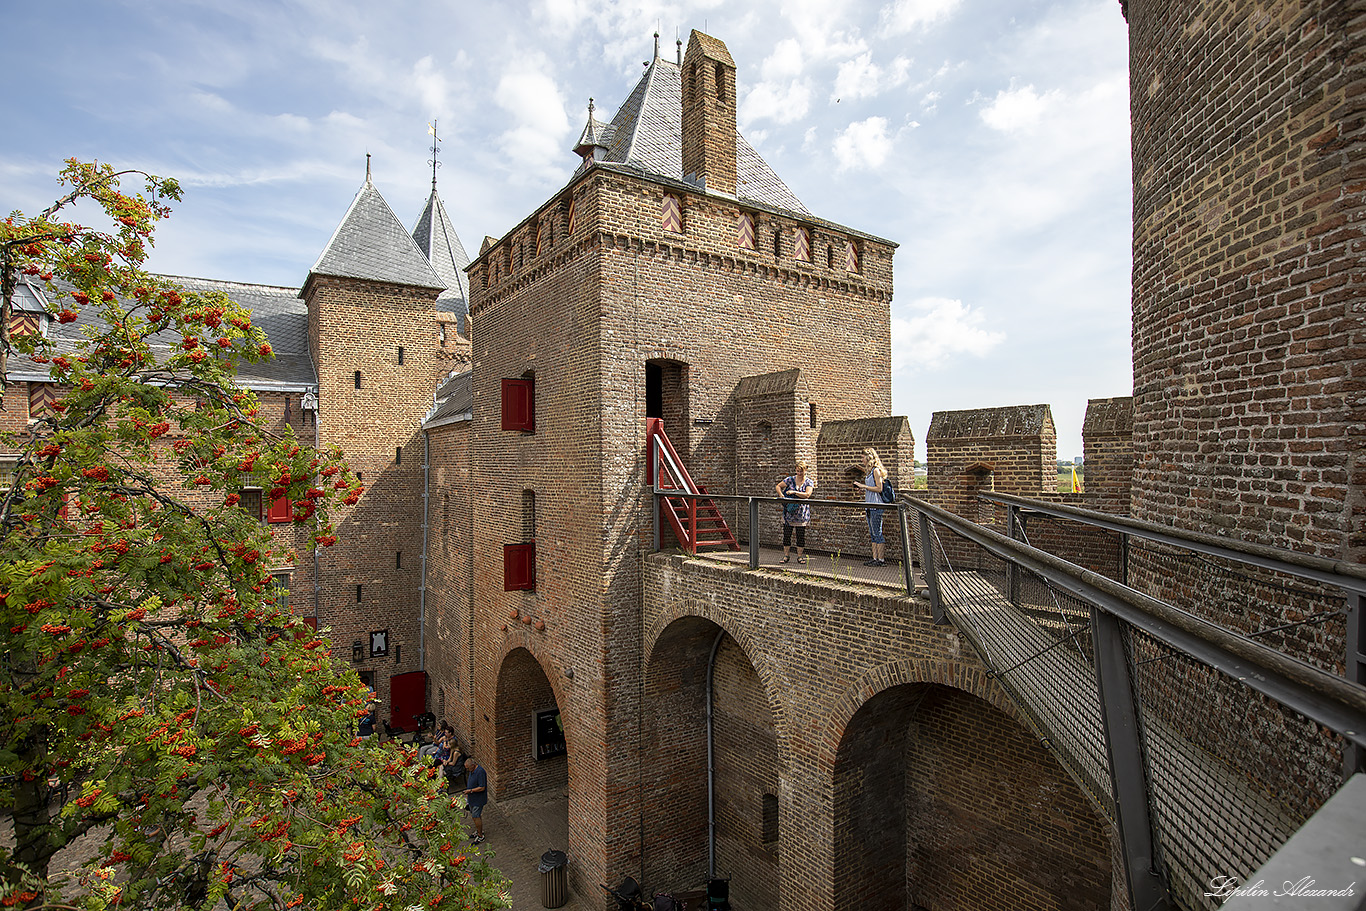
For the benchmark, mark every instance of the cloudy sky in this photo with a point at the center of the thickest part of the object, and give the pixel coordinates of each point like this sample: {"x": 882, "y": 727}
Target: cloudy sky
{"x": 989, "y": 138}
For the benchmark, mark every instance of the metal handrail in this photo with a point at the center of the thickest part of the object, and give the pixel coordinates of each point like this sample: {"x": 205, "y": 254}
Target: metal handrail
{"x": 1349, "y": 576}
{"x": 1331, "y": 700}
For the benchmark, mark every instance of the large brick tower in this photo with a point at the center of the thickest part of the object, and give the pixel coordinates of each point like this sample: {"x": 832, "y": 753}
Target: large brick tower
{"x": 662, "y": 275}
{"x": 1249, "y": 338}
{"x": 373, "y": 335}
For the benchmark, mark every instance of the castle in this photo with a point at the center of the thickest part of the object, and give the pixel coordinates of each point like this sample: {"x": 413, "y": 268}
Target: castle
{"x": 826, "y": 744}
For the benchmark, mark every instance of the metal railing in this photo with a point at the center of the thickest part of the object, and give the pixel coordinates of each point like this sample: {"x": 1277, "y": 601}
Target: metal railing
{"x": 1204, "y": 746}
{"x": 837, "y": 541}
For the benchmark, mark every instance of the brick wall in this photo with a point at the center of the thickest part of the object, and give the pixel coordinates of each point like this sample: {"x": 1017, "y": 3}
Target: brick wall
{"x": 863, "y": 694}
{"x": 358, "y": 326}
{"x": 839, "y": 461}
{"x": 449, "y": 633}
{"x": 1249, "y": 344}
{"x": 1107, "y": 435}
{"x": 1006, "y": 450}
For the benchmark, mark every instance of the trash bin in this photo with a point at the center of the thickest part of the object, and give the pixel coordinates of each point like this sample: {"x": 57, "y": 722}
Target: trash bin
{"x": 554, "y": 879}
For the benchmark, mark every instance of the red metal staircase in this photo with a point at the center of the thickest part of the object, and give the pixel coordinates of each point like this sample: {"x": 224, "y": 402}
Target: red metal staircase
{"x": 696, "y": 522}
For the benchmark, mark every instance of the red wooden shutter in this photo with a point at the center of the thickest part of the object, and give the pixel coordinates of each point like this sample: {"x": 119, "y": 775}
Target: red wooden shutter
{"x": 519, "y": 404}
{"x": 519, "y": 567}
{"x": 279, "y": 510}
{"x": 803, "y": 251}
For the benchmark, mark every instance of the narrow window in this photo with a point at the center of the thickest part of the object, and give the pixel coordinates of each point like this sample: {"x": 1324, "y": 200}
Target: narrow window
{"x": 400, "y": 355}
{"x": 360, "y": 591}
{"x": 249, "y": 501}
{"x": 40, "y": 399}
{"x": 777, "y": 243}
{"x": 851, "y": 257}
{"x": 398, "y": 559}
{"x": 720, "y": 82}
{"x": 830, "y": 257}
{"x": 671, "y": 214}
{"x": 398, "y": 455}
{"x": 279, "y": 590}
{"x": 770, "y": 819}
{"x": 813, "y": 415}
{"x": 569, "y": 218}
{"x": 528, "y": 515}
{"x": 357, "y": 379}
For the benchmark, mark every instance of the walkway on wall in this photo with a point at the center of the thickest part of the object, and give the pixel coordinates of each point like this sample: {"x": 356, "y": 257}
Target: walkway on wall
{"x": 1157, "y": 714}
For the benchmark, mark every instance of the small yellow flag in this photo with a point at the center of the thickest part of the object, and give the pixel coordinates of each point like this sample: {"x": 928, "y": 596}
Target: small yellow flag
{"x": 1076, "y": 484}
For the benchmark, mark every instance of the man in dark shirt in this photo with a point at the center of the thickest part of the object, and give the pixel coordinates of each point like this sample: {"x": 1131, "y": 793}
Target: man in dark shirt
{"x": 476, "y": 795}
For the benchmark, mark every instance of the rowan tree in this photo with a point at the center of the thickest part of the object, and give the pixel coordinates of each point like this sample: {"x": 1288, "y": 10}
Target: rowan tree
{"x": 162, "y": 716}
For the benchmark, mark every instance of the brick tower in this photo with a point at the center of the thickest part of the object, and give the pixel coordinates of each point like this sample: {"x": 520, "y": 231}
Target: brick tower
{"x": 1249, "y": 341}
{"x": 650, "y": 286}
{"x": 371, "y": 300}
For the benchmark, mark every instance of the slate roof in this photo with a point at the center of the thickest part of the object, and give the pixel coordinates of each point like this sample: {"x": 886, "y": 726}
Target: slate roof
{"x": 371, "y": 243}
{"x": 436, "y": 239}
{"x": 277, "y": 311}
{"x": 647, "y": 132}
{"x": 454, "y": 401}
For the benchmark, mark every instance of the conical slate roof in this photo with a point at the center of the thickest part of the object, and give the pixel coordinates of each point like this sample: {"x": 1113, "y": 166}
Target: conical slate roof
{"x": 436, "y": 238}
{"x": 371, "y": 243}
{"x": 647, "y": 132}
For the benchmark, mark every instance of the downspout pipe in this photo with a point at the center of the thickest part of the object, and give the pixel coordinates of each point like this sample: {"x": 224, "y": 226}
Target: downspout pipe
{"x": 711, "y": 754}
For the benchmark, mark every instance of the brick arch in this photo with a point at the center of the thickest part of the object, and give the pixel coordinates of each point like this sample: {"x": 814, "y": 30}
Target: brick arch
{"x": 934, "y": 791}
{"x": 971, "y": 678}
{"x": 748, "y": 643}
{"x": 513, "y": 772}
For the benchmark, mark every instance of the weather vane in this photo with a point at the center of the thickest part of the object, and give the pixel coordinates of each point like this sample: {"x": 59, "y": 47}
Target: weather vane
{"x": 431, "y": 131}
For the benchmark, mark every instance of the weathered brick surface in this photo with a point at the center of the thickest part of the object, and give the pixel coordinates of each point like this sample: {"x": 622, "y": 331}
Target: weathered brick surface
{"x": 358, "y": 326}
{"x": 1249, "y": 344}
{"x": 890, "y": 751}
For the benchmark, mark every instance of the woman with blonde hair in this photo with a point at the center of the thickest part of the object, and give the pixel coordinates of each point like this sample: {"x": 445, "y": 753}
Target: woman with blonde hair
{"x": 872, "y": 493}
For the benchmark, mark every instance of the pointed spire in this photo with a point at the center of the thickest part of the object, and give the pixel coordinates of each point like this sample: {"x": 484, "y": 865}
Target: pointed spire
{"x": 592, "y": 144}
{"x": 367, "y": 169}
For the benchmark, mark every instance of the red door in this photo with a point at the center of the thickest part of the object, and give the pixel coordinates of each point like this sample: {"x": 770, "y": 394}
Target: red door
{"x": 407, "y": 699}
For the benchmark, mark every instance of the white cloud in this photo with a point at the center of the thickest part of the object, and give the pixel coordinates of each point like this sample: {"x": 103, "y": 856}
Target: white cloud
{"x": 1013, "y": 109}
{"x": 430, "y": 85}
{"x": 939, "y": 330}
{"x": 863, "y": 144}
{"x": 534, "y": 143}
{"x": 781, "y": 103}
{"x": 905, "y": 16}
{"x": 861, "y": 78}
{"x": 784, "y": 63}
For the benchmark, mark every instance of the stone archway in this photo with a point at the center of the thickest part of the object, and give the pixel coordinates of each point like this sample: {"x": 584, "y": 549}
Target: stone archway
{"x": 943, "y": 801}
{"x": 674, "y": 777}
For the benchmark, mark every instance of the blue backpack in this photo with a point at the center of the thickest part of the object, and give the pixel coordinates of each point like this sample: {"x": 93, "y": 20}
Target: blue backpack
{"x": 887, "y": 494}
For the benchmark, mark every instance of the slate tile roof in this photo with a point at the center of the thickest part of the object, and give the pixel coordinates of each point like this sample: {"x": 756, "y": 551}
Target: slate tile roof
{"x": 647, "y": 132}
{"x": 454, "y": 400}
{"x": 277, "y": 311}
{"x": 436, "y": 238}
{"x": 371, "y": 243}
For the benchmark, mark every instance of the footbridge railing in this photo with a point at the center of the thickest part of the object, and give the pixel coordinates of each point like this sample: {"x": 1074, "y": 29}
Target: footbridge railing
{"x": 1205, "y": 747}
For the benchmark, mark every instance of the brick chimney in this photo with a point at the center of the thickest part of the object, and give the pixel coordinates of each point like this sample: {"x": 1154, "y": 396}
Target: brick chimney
{"x": 709, "y": 114}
